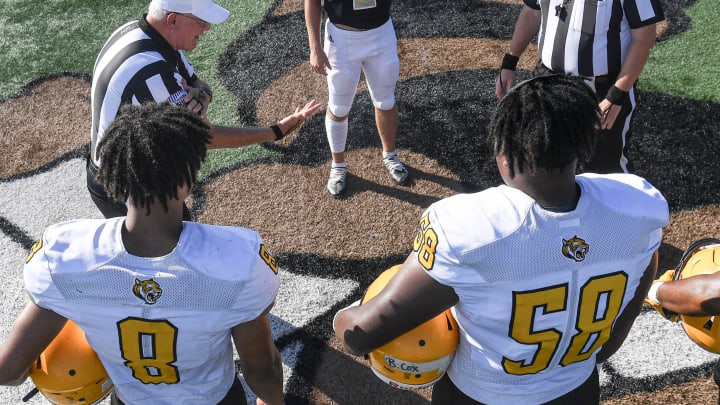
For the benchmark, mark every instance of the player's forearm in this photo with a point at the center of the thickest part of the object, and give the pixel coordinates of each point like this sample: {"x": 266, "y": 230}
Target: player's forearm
{"x": 313, "y": 15}
{"x": 643, "y": 40}
{"x": 354, "y": 340}
{"x": 235, "y": 137}
{"x": 266, "y": 381}
{"x": 695, "y": 296}
{"x": 30, "y": 334}
{"x": 14, "y": 380}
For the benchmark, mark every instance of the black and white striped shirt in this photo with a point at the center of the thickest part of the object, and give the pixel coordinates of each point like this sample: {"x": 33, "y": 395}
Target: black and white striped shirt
{"x": 135, "y": 65}
{"x": 590, "y": 37}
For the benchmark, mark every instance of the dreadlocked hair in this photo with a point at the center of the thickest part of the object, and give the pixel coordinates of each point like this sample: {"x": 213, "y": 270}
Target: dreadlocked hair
{"x": 546, "y": 123}
{"x": 149, "y": 151}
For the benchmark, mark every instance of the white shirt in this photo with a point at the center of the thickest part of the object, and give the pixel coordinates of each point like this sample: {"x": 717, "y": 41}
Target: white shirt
{"x": 161, "y": 326}
{"x": 538, "y": 291}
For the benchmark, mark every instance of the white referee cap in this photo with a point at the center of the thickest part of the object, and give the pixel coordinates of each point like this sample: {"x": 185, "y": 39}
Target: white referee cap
{"x": 203, "y": 9}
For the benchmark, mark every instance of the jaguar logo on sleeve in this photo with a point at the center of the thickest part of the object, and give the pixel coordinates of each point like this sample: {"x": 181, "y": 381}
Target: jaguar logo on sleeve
{"x": 575, "y": 248}
{"x": 147, "y": 290}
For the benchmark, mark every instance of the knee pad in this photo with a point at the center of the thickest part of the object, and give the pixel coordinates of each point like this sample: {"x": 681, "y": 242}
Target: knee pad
{"x": 384, "y": 103}
{"x": 336, "y": 134}
{"x": 382, "y": 76}
{"x": 342, "y": 86}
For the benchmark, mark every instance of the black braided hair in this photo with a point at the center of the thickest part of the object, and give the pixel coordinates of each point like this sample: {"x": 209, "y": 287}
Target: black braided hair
{"x": 149, "y": 151}
{"x": 545, "y": 123}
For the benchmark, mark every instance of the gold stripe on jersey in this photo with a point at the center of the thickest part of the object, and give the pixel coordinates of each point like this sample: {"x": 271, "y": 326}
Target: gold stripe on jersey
{"x": 268, "y": 258}
{"x": 34, "y": 249}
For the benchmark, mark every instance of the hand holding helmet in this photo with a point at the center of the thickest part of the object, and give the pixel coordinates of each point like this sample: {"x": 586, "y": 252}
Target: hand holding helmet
{"x": 418, "y": 358}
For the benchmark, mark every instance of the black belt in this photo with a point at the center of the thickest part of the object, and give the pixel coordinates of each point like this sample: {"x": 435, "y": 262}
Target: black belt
{"x": 542, "y": 69}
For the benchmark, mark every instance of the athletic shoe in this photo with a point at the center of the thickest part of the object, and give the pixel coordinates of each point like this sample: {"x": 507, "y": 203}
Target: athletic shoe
{"x": 396, "y": 169}
{"x": 336, "y": 181}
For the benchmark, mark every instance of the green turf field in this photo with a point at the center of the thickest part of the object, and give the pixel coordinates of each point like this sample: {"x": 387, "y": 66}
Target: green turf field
{"x": 39, "y": 38}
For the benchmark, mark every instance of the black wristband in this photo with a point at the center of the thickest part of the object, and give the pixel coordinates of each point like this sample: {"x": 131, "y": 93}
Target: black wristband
{"x": 509, "y": 62}
{"x": 206, "y": 90}
{"x": 278, "y": 132}
{"x": 617, "y": 96}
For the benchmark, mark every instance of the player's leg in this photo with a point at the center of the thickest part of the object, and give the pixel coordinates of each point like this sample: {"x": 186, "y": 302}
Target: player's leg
{"x": 382, "y": 71}
{"x": 342, "y": 82}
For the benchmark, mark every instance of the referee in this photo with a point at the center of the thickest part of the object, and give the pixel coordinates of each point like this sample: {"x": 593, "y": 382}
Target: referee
{"x": 143, "y": 61}
{"x": 607, "y": 42}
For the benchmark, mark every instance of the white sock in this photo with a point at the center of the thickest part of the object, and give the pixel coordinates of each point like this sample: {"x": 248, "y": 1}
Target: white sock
{"x": 336, "y": 134}
{"x": 390, "y": 154}
{"x": 341, "y": 165}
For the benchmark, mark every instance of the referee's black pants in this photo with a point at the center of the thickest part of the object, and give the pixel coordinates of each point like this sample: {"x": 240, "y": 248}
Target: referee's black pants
{"x": 612, "y": 144}
{"x": 107, "y": 206}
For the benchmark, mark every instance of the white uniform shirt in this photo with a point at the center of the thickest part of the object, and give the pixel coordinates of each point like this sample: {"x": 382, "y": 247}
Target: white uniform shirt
{"x": 539, "y": 291}
{"x": 161, "y": 326}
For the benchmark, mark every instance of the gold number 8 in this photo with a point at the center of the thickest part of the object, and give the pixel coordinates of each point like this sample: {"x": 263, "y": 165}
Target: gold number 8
{"x": 149, "y": 349}
{"x": 425, "y": 243}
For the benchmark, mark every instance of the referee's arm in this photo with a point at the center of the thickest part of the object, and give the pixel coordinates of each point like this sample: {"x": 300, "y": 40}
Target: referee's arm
{"x": 643, "y": 40}
{"x": 526, "y": 28}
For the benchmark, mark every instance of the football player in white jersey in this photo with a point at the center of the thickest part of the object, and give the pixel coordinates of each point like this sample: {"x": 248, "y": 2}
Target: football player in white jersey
{"x": 544, "y": 274}
{"x": 160, "y": 300}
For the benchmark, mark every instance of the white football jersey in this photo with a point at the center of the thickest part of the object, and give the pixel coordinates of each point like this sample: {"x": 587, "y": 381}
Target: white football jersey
{"x": 539, "y": 291}
{"x": 161, "y": 326}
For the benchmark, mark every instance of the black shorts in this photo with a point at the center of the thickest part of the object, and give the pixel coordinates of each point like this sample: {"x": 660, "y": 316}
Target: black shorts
{"x": 588, "y": 393}
{"x": 235, "y": 396}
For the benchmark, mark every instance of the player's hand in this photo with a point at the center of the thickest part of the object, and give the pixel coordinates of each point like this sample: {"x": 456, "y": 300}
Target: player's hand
{"x": 503, "y": 82}
{"x": 608, "y": 114}
{"x": 319, "y": 62}
{"x": 196, "y": 100}
{"x": 669, "y": 275}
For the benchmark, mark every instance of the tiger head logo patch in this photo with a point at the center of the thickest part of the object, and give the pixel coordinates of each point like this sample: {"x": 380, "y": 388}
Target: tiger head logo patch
{"x": 147, "y": 290}
{"x": 575, "y": 248}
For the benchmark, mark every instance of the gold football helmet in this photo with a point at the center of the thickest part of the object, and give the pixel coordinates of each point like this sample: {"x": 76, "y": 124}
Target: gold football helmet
{"x": 69, "y": 372}
{"x": 701, "y": 257}
{"x": 419, "y": 357}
